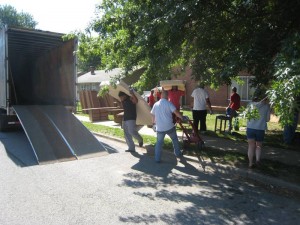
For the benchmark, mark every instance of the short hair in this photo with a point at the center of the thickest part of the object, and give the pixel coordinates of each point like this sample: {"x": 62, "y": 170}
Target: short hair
{"x": 121, "y": 93}
{"x": 164, "y": 94}
{"x": 234, "y": 89}
{"x": 259, "y": 94}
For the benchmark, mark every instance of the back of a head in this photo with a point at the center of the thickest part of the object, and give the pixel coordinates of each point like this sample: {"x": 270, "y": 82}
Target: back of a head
{"x": 201, "y": 84}
{"x": 121, "y": 93}
{"x": 259, "y": 94}
{"x": 234, "y": 89}
{"x": 164, "y": 94}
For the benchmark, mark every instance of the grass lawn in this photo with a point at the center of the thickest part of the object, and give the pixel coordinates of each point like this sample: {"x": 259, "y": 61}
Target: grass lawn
{"x": 273, "y": 138}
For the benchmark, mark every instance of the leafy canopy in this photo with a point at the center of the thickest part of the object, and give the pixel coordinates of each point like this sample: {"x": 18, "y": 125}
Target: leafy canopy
{"x": 217, "y": 39}
{"x": 10, "y": 16}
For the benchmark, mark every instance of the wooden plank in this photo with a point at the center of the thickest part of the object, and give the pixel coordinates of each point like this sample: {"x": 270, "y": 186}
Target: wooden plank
{"x": 83, "y": 101}
{"x": 142, "y": 108}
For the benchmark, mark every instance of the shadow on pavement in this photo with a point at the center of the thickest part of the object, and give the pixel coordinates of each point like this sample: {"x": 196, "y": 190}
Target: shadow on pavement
{"x": 19, "y": 150}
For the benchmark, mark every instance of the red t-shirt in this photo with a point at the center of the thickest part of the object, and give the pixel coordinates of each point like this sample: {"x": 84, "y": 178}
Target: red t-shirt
{"x": 235, "y": 101}
{"x": 151, "y": 100}
{"x": 174, "y": 97}
{"x": 158, "y": 95}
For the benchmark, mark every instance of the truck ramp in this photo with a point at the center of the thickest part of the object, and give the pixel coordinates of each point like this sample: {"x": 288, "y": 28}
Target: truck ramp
{"x": 55, "y": 134}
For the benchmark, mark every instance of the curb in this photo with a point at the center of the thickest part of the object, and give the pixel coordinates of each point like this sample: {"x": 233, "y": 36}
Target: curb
{"x": 225, "y": 169}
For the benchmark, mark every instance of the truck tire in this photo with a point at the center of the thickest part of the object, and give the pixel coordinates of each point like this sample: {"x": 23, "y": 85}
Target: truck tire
{"x": 9, "y": 123}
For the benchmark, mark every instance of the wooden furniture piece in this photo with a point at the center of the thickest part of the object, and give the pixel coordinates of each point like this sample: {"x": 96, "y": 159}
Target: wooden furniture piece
{"x": 98, "y": 108}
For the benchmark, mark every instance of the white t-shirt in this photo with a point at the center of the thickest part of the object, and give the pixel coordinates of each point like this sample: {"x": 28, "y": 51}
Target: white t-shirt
{"x": 200, "y": 95}
{"x": 264, "y": 113}
{"x": 162, "y": 110}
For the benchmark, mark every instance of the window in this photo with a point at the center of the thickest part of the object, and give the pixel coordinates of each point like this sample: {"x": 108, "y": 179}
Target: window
{"x": 243, "y": 87}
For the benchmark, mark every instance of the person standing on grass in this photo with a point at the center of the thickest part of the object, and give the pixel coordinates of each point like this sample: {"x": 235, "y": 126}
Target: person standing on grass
{"x": 175, "y": 95}
{"x": 201, "y": 99}
{"x": 256, "y": 129}
{"x": 234, "y": 105}
{"x": 151, "y": 99}
{"x": 162, "y": 117}
{"x": 129, "y": 120}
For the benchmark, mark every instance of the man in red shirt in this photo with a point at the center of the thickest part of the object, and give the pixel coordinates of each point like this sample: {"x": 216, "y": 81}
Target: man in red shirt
{"x": 174, "y": 96}
{"x": 151, "y": 99}
{"x": 234, "y": 105}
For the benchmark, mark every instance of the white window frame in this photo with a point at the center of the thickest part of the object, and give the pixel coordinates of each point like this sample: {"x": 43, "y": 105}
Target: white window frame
{"x": 243, "y": 87}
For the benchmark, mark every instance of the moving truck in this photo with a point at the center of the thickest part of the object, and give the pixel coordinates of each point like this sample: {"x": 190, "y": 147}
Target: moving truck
{"x": 38, "y": 91}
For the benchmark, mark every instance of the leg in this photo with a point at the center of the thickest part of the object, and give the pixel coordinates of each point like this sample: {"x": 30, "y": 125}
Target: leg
{"x": 259, "y": 140}
{"x": 258, "y": 151}
{"x": 233, "y": 114}
{"x": 229, "y": 113}
{"x": 251, "y": 150}
{"x": 173, "y": 135}
{"x": 196, "y": 119}
{"x": 251, "y": 136}
{"x": 158, "y": 146}
{"x": 202, "y": 115}
{"x": 131, "y": 124}
{"x": 128, "y": 136}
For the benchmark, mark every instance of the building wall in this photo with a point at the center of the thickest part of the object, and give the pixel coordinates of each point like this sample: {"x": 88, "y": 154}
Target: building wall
{"x": 219, "y": 98}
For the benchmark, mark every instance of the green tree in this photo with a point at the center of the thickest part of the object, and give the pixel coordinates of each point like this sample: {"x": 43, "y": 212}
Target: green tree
{"x": 89, "y": 50}
{"x": 217, "y": 39}
{"x": 10, "y": 16}
{"x": 284, "y": 93}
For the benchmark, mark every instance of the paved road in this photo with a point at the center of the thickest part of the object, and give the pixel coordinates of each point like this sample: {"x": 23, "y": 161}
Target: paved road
{"x": 124, "y": 188}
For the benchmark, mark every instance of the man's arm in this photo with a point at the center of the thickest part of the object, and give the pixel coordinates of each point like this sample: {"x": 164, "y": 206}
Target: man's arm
{"x": 133, "y": 98}
{"x": 209, "y": 105}
{"x": 178, "y": 114}
{"x": 153, "y": 119}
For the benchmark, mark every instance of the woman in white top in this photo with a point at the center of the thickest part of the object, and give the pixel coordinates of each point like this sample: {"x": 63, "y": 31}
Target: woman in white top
{"x": 256, "y": 130}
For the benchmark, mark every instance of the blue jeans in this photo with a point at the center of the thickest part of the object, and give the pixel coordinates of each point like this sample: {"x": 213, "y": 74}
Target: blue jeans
{"x": 130, "y": 131}
{"x": 160, "y": 140}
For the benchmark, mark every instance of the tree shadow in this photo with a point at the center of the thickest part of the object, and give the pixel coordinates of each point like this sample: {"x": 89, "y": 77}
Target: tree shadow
{"x": 207, "y": 199}
{"x": 211, "y": 197}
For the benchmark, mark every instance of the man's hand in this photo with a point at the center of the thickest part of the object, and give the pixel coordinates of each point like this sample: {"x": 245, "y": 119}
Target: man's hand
{"x": 131, "y": 91}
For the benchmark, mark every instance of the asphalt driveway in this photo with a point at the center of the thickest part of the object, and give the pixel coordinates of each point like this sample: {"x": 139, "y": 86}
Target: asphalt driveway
{"x": 125, "y": 188}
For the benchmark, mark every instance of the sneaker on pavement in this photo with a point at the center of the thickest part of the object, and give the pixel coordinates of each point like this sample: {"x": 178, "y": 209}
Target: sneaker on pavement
{"x": 129, "y": 150}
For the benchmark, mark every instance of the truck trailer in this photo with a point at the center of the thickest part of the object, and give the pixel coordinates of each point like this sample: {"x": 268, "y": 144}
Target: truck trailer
{"x": 38, "y": 94}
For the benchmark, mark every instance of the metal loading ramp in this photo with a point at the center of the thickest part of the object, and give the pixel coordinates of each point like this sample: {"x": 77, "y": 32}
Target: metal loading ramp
{"x": 55, "y": 134}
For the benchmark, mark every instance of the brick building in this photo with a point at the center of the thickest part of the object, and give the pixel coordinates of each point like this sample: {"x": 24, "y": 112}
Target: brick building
{"x": 219, "y": 98}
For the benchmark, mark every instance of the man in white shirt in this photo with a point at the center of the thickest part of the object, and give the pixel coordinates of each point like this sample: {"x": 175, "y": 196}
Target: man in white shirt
{"x": 162, "y": 117}
{"x": 201, "y": 100}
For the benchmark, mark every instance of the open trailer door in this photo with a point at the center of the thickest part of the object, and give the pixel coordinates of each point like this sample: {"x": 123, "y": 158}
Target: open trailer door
{"x": 55, "y": 134}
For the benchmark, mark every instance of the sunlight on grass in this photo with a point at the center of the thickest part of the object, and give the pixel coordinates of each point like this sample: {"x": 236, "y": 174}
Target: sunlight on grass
{"x": 233, "y": 158}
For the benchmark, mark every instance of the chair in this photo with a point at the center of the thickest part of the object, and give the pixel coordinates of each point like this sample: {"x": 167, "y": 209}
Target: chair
{"x": 221, "y": 118}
